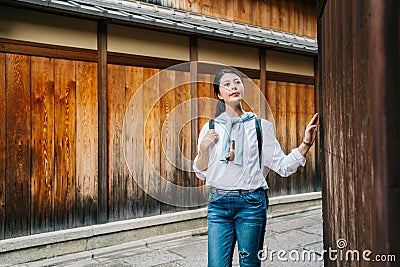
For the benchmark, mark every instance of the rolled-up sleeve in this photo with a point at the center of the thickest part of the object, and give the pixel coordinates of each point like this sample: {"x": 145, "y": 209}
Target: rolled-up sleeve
{"x": 273, "y": 156}
{"x": 199, "y": 173}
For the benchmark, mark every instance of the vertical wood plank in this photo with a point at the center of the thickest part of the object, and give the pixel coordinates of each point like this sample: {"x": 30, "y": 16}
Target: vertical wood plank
{"x": 261, "y": 16}
{"x": 292, "y": 181}
{"x": 194, "y": 112}
{"x": 229, "y": 9}
{"x": 42, "y": 144}
{"x": 87, "y": 143}
{"x": 256, "y": 97}
{"x": 283, "y": 15}
{"x": 168, "y": 141}
{"x": 292, "y": 16}
{"x": 134, "y": 147}
{"x": 252, "y": 102}
{"x": 3, "y": 143}
{"x": 65, "y": 144}
{"x": 263, "y": 84}
{"x": 274, "y": 19}
{"x": 183, "y": 95}
{"x": 271, "y": 99}
{"x": 152, "y": 140}
{"x": 364, "y": 193}
{"x": 102, "y": 185}
{"x": 116, "y": 110}
{"x": 206, "y": 105}
{"x": 310, "y": 169}
{"x": 281, "y": 127}
{"x": 301, "y": 122}
{"x": 18, "y": 125}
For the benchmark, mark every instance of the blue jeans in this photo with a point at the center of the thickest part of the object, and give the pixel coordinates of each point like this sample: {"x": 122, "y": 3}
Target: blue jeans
{"x": 236, "y": 216}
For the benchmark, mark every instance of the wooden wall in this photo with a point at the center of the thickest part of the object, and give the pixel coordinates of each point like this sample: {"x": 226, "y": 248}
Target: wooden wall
{"x": 284, "y": 15}
{"x": 292, "y": 106}
{"x": 359, "y": 104}
{"x": 58, "y": 168}
{"x": 49, "y": 139}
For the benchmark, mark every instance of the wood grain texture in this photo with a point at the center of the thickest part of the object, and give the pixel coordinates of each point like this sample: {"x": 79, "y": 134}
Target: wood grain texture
{"x": 301, "y": 122}
{"x": 65, "y": 144}
{"x": 292, "y": 107}
{"x": 46, "y": 50}
{"x": 18, "y": 125}
{"x": 206, "y": 104}
{"x": 184, "y": 138}
{"x": 134, "y": 146}
{"x": 86, "y": 143}
{"x": 42, "y": 144}
{"x": 276, "y": 14}
{"x": 116, "y": 111}
{"x": 270, "y": 95}
{"x": 207, "y": 101}
{"x": 281, "y": 127}
{"x": 348, "y": 128}
{"x": 151, "y": 165}
{"x": 293, "y": 180}
{"x": 310, "y": 169}
{"x": 169, "y": 142}
{"x": 3, "y": 143}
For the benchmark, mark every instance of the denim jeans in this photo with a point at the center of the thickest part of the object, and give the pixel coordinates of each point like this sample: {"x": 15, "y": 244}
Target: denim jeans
{"x": 236, "y": 216}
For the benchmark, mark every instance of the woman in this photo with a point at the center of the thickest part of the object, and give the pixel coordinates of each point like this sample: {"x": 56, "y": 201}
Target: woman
{"x": 228, "y": 159}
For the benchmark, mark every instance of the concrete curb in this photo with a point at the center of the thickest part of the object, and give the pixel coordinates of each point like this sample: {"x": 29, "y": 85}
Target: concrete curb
{"x": 96, "y": 230}
{"x": 108, "y": 251}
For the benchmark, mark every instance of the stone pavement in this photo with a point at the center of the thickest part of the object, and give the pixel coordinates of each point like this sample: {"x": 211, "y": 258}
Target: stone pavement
{"x": 298, "y": 235}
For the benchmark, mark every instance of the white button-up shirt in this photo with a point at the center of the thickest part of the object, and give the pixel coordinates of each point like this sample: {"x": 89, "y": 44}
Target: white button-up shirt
{"x": 249, "y": 176}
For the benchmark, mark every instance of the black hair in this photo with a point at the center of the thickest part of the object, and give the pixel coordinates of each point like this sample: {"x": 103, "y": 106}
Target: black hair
{"x": 217, "y": 79}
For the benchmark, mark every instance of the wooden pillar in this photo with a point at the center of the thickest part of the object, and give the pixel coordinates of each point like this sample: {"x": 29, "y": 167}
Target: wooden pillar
{"x": 194, "y": 106}
{"x": 102, "y": 201}
{"x": 263, "y": 82}
{"x": 383, "y": 44}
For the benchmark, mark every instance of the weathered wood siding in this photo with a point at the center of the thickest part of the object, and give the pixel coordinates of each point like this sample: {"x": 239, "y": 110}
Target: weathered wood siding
{"x": 359, "y": 104}
{"x": 49, "y": 138}
{"x": 346, "y": 126}
{"x": 292, "y": 106}
{"x": 284, "y": 15}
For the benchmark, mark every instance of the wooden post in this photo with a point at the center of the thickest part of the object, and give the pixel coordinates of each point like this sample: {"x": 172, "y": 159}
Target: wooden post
{"x": 317, "y": 180}
{"x": 263, "y": 83}
{"x": 384, "y": 81}
{"x": 194, "y": 105}
{"x": 102, "y": 128}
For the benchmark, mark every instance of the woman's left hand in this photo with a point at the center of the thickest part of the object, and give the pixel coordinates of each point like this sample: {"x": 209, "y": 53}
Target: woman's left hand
{"x": 311, "y": 129}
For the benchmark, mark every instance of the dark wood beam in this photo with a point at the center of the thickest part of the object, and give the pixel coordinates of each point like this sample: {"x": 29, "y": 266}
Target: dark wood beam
{"x": 263, "y": 82}
{"x": 194, "y": 111}
{"x": 47, "y": 50}
{"x": 102, "y": 202}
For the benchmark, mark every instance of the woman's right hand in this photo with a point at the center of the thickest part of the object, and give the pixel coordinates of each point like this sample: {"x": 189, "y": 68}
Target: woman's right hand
{"x": 209, "y": 139}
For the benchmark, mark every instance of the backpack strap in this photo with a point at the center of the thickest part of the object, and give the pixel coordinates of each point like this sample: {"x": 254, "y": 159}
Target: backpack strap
{"x": 259, "y": 138}
{"x": 211, "y": 124}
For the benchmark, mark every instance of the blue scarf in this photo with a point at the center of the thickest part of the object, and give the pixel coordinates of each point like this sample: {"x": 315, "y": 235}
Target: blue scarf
{"x": 224, "y": 118}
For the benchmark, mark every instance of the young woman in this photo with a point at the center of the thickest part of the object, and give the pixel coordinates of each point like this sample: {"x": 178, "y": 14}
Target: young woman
{"x": 228, "y": 159}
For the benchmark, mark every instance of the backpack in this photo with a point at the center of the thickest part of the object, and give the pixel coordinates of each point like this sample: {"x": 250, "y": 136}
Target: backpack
{"x": 211, "y": 125}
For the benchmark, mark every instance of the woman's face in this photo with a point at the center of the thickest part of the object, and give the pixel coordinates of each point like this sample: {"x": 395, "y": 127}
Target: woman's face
{"x": 231, "y": 88}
